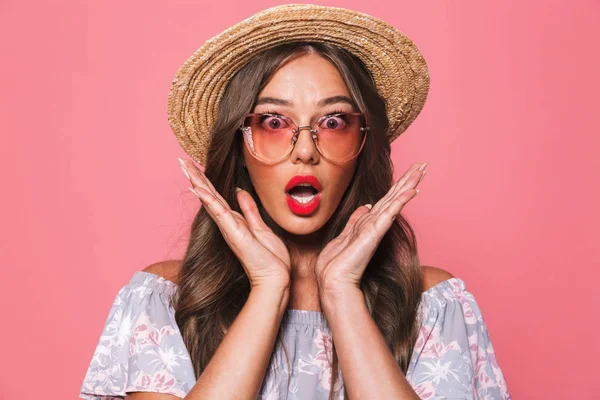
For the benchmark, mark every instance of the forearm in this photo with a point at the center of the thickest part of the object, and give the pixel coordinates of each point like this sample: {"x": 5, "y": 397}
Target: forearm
{"x": 238, "y": 367}
{"x": 368, "y": 366}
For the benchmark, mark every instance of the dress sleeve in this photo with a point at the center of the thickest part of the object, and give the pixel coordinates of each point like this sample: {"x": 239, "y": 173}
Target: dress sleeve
{"x": 140, "y": 348}
{"x": 453, "y": 357}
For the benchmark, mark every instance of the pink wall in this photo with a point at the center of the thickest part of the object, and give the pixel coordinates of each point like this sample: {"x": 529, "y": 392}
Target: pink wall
{"x": 93, "y": 191}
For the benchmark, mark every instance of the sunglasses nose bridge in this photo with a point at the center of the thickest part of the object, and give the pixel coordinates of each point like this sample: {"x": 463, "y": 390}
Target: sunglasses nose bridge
{"x": 296, "y": 133}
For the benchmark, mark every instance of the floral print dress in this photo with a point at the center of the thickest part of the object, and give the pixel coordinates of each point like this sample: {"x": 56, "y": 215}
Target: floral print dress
{"x": 141, "y": 349}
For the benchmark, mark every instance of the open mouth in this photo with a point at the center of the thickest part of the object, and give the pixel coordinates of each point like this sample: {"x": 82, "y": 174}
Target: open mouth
{"x": 303, "y": 193}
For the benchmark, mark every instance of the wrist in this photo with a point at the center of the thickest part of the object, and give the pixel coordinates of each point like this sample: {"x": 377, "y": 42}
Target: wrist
{"x": 276, "y": 292}
{"x": 279, "y": 284}
{"x": 333, "y": 295}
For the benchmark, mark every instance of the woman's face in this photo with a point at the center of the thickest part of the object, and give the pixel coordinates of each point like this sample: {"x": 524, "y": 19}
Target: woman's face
{"x": 302, "y": 83}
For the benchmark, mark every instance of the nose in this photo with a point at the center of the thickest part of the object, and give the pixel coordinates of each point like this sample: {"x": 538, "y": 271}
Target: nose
{"x": 305, "y": 149}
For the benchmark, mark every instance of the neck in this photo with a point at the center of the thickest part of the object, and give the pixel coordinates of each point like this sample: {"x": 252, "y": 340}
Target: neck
{"x": 304, "y": 250}
{"x": 306, "y": 246}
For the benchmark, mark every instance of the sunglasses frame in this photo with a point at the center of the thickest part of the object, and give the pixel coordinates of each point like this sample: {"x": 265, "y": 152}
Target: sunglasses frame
{"x": 296, "y": 132}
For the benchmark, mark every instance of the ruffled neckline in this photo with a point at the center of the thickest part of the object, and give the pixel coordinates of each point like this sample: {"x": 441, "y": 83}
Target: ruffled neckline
{"x": 295, "y": 316}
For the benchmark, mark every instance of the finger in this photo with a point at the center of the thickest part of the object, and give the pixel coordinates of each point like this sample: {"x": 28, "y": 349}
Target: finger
{"x": 386, "y": 218}
{"x": 250, "y": 211}
{"x": 193, "y": 163}
{"x": 222, "y": 216}
{"x": 384, "y": 201}
{"x": 412, "y": 173}
{"x": 359, "y": 212}
{"x": 199, "y": 179}
{"x": 412, "y": 183}
{"x": 398, "y": 185}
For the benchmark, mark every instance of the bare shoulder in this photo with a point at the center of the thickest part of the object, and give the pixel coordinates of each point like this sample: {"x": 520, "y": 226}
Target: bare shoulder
{"x": 432, "y": 276}
{"x": 166, "y": 269}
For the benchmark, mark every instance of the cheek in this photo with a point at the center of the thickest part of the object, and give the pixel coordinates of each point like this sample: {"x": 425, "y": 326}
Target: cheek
{"x": 339, "y": 183}
{"x": 266, "y": 183}
{"x": 259, "y": 179}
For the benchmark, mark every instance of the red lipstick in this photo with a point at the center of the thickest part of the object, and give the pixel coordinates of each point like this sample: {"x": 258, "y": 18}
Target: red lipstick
{"x": 298, "y": 207}
{"x": 298, "y": 179}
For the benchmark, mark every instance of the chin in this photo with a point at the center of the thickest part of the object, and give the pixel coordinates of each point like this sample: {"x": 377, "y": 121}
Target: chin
{"x": 301, "y": 229}
{"x": 300, "y": 225}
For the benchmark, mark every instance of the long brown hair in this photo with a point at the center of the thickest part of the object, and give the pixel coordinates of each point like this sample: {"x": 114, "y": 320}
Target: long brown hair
{"x": 213, "y": 286}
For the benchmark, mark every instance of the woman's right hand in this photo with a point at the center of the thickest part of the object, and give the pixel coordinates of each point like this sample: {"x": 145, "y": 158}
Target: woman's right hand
{"x": 263, "y": 255}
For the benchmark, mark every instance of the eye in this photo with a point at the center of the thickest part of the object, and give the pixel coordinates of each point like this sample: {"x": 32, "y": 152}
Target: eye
{"x": 273, "y": 122}
{"x": 334, "y": 121}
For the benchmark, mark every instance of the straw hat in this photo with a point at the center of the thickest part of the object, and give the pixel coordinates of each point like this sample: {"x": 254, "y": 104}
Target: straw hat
{"x": 397, "y": 66}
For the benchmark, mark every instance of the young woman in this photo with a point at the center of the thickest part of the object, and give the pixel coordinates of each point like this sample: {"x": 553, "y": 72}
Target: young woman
{"x": 301, "y": 279}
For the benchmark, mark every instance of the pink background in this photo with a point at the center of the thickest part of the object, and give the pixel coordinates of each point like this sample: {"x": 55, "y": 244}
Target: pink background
{"x": 92, "y": 190}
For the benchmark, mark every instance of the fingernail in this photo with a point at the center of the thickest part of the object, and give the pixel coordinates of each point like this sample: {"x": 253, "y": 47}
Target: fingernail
{"x": 369, "y": 206}
{"x": 422, "y": 176}
{"x": 423, "y": 167}
{"x": 186, "y": 174}
{"x": 193, "y": 191}
{"x": 416, "y": 193}
{"x": 237, "y": 189}
{"x": 183, "y": 168}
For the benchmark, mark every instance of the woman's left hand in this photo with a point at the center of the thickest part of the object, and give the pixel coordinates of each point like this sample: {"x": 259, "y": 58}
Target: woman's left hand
{"x": 342, "y": 262}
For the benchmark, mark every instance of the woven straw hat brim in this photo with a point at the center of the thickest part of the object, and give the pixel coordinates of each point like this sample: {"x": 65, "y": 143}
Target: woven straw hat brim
{"x": 398, "y": 68}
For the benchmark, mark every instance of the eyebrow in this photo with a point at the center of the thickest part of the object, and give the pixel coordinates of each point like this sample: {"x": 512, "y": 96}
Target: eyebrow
{"x": 321, "y": 103}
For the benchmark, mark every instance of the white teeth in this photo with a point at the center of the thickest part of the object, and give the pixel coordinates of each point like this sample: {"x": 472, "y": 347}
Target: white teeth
{"x": 303, "y": 200}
